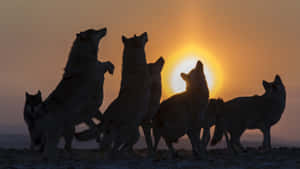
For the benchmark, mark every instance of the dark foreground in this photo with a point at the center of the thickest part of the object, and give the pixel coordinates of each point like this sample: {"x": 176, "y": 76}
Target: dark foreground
{"x": 92, "y": 159}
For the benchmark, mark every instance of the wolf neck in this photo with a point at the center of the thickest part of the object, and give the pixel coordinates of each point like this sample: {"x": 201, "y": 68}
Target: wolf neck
{"x": 201, "y": 92}
{"x": 79, "y": 59}
{"x": 277, "y": 103}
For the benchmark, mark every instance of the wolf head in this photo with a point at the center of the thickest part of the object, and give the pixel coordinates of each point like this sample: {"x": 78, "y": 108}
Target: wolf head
{"x": 155, "y": 70}
{"x": 90, "y": 38}
{"x": 31, "y": 104}
{"x": 85, "y": 48}
{"x": 195, "y": 79}
{"x": 274, "y": 89}
{"x": 136, "y": 41}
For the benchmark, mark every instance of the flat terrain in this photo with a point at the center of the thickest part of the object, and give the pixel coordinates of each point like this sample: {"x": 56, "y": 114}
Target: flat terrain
{"x": 93, "y": 159}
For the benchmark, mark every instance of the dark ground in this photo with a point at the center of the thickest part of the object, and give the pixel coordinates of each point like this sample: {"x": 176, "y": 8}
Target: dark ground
{"x": 216, "y": 158}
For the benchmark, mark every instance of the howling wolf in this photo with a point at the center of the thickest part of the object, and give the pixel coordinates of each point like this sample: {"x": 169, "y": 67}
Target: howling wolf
{"x": 181, "y": 113}
{"x": 256, "y": 112}
{"x": 75, "y": 99}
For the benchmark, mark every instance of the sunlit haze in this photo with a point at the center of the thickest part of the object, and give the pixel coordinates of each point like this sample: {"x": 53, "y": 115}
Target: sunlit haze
{"x": 240, "y": 44}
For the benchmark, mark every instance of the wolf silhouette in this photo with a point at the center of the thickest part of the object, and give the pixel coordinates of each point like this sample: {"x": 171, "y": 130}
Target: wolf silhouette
{"x": 181, "y": 113}
{"x": 75, "y": 99}
{"x": 255, "y": 112}
{"x": 155, "y": 73}
{"x": 123, "y": 116}
{"x": 212, "y": 114}
{"x": 32, "y": 102}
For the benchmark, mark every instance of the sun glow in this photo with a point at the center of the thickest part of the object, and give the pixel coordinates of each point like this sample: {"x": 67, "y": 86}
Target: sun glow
{"x": 185, "y": 66}
{"x": 184, "y": 61}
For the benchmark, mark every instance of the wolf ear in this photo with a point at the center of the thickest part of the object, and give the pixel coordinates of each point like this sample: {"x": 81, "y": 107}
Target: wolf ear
{"x": 266, "y": 85}
{"x": 160, "y": 62}
{"x": 184, "y": 76}
{"x": 124, "y": 39}
{"x": 277, "y": 79}
{"x": 39, "y": 93}
{"x": 82, "y": 36}
{"x": 145, "y": 37}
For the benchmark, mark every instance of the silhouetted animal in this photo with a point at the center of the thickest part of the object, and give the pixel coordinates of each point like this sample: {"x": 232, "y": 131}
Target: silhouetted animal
{"x": 75, "y": 99}
{"x": 32, "y": 102}
{"x": 212, "y": 114}
{"x": 127, "y": 111}
{"x": 256, "y": 112}
{"x": 155, "y": 73}
{"x": 181, "y": 113}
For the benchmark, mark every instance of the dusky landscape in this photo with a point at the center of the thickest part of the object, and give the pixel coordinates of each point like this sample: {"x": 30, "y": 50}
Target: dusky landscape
{"x": 240, "y": 43}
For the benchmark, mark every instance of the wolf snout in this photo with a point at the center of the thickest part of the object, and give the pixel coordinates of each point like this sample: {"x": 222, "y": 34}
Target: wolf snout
{"x": 102, "y": 31}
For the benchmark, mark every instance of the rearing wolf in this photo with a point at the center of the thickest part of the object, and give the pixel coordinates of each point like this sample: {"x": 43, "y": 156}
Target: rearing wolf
{"x": 256, "y": 112}
{"x": 76, "y": 97}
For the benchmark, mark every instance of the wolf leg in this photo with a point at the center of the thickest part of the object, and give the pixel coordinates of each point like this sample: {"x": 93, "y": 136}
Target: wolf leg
{"x": 205, "y": 137}
{"x": 267, "y": 139}
{"x": 131, "y": 141}
{"x": 99, "y": 116}
{"x": 228, "y": 142}
{"x": 51, "y": 145}
{"x": 235, "y": 140}
{"x": 157, "y": 137}
{"x": 193, "y": 139}
{"x": 147, "y": 132}
{"x": 68, "y": 136}
{"x": 174, "y": 154}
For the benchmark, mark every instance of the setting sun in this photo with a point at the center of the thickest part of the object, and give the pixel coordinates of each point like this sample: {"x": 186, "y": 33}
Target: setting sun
{"x": 183, "y": 61}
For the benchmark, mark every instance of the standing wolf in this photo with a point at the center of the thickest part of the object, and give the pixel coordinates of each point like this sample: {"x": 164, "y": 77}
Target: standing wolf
{"x": 75, "y": 99}
{"x": 181, "y": 113}
{"x": 256, "y": 112}
{"x": 154, "y": 102}
{"x": 126, "y": 112}
{"x": 32, "y": 102}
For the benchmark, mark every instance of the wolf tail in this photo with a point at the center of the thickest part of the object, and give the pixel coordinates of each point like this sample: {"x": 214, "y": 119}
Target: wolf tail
{"x": 218, "y": 134}
{"x": 89, "y": 134}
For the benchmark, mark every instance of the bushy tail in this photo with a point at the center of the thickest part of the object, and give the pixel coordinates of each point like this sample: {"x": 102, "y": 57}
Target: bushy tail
{"x": 218, "y": 134}
{"x": 88, "y": 134}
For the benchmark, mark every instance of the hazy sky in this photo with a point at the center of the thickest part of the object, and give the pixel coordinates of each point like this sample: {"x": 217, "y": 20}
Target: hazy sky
{"x": 250, "y": 41}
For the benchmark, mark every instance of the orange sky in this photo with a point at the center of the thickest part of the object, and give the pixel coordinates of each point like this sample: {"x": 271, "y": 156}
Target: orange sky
{"x": 249, "y": 40}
